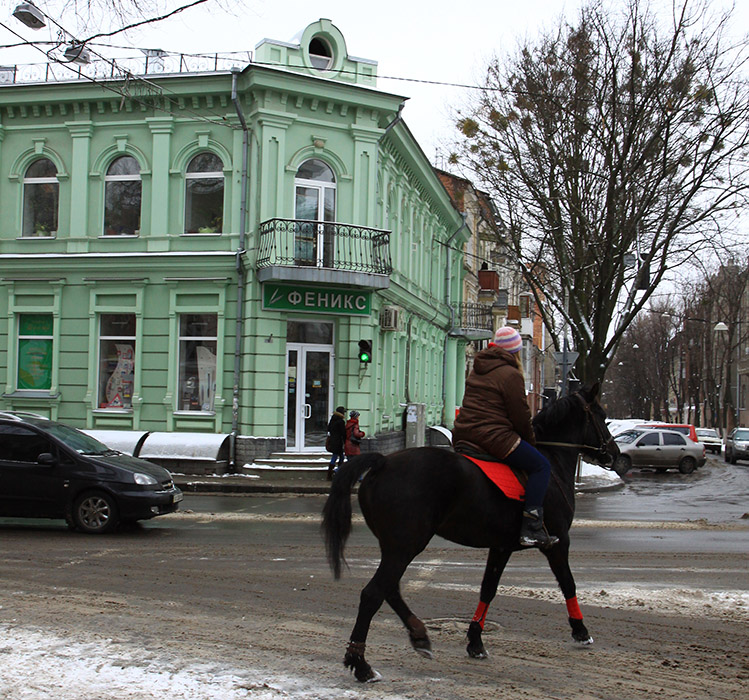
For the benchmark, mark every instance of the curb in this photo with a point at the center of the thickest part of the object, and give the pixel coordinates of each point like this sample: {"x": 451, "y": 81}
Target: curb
{"x": 283, "y": 485}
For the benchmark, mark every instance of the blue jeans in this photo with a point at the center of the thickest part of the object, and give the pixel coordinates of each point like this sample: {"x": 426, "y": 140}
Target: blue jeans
{"x": 334, "y": 457}
{"x": 536, "y": 466}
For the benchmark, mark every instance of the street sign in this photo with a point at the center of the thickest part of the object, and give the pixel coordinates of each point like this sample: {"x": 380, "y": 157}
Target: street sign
{"x": 571, "y": 359}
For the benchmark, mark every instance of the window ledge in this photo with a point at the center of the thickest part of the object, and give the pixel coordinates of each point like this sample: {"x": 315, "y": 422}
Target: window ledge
{"x": 204, "y": 414}
{"x": 31, "y": 394}
{"x": 121, "y": 411}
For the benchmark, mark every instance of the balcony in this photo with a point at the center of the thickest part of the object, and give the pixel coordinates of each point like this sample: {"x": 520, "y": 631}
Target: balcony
{"x": 472, "y": 321}
{"x": 293, "y": 250}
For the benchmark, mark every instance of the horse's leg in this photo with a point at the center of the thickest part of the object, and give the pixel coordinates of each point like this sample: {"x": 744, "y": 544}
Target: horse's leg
{"x": 558, "y": 558}
{"x": 382, "y": 585}
{"x": 417, "y": 631}
{"x": 495, "y": 565}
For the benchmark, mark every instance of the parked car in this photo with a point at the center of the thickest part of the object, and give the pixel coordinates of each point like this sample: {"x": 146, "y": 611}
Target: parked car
{"x": 51, "y": 470}
{"x": 737, "y": 445}
{"x": 684, "y": 428}
{"x": 710, "y": 438}
{"x": 659, "y": 449}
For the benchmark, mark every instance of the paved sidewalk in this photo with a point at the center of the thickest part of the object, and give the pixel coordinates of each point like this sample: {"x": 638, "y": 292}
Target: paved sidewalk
{"x": 310, "y": 481}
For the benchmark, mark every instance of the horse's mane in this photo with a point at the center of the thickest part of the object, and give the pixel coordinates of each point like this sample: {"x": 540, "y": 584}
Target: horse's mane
{"x": 553, "y": 414}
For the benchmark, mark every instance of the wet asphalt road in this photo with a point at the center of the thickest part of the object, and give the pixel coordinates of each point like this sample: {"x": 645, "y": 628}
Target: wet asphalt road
{"x": 717, "y": 493}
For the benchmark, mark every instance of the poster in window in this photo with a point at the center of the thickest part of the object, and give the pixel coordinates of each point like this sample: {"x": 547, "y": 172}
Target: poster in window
{"x": 120, "y": 384}
{"x": 34, "y": 364}
{"x": 206, "y": 377}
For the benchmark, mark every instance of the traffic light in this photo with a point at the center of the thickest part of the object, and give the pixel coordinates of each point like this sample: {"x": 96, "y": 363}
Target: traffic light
{"x": 365, "y": 351}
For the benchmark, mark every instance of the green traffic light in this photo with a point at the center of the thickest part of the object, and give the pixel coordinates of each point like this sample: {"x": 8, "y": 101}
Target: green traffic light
{"x": 365, "y": 351}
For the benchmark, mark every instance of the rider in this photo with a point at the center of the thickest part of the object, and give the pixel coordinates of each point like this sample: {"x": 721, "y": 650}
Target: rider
{"x": 495, "y": 420}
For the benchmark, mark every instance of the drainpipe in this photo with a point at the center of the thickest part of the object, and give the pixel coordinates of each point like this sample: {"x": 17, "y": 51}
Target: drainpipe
{"x": 390, "y": 126}
{"x": 235, "y": 71}
{"x": 448, "y": 249}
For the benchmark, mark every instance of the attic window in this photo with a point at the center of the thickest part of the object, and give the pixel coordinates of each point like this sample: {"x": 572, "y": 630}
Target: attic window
{"x": 320, "y": 55}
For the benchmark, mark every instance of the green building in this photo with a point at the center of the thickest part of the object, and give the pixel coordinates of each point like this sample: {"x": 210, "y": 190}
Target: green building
{"x": 204, "y": 250}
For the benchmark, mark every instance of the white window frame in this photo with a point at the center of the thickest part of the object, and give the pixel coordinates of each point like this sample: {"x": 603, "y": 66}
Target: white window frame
{"x": 39, "y": 181}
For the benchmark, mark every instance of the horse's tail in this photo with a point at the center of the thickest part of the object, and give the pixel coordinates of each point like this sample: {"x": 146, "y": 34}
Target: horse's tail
{"x": 336, "y": 514}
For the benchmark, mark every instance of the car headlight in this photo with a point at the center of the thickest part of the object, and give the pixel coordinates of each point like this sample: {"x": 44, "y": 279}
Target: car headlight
{"x": 144, "y": 479}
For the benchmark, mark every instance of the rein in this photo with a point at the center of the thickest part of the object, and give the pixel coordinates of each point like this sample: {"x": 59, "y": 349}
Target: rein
{"x": 601, "y": 449}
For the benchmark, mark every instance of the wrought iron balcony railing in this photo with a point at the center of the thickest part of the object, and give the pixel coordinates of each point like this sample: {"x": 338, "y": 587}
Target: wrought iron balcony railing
{"x": 323, "y": 244}
{"x": 473, "y": 320}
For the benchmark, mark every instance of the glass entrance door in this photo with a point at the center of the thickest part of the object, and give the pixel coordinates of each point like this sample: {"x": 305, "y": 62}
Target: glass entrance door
{"x": 308, "y": 396}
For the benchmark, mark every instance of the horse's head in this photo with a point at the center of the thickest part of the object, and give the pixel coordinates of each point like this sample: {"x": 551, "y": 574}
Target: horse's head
{"x": 598, "y": 445}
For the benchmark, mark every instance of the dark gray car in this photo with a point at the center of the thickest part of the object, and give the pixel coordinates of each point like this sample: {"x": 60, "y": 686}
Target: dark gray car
{"x": 51, "y": 470}
{"x": 658, "y": 449}
{"x": 737, "y": 445}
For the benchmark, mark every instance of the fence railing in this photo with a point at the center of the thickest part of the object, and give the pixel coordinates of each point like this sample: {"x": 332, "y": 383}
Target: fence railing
{"x": 474, "y": 316}
{"x": 323, "y": 244}
{"x": 123, "y": 68}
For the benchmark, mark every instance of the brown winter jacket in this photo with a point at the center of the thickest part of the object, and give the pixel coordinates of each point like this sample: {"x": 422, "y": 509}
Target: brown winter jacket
{"x": 495, "y": 413}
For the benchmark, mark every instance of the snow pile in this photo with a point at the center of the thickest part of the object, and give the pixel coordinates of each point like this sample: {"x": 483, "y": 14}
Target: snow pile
{"x": 38, "y": 665}
{"x": 592, "y": 472}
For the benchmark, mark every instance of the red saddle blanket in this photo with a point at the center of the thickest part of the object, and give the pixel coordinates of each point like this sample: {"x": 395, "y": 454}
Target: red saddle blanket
{"x": 502, "y": 476}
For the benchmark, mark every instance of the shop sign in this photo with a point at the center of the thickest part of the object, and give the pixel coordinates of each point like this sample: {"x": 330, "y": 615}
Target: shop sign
{"x": 321, "y": 300}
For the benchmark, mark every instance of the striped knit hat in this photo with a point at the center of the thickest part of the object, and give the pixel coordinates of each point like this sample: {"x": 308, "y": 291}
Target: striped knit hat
{"x": 508, "y": 339}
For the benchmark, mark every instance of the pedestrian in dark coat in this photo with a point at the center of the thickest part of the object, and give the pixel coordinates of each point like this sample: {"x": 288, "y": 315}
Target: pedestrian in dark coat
{"x": 336, "y": 438}
{"x": 353, "y": 435}
{"x": 495, "y": 420}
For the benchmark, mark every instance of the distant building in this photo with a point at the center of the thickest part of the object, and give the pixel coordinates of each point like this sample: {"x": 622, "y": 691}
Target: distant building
{"x": 494, "y": 292}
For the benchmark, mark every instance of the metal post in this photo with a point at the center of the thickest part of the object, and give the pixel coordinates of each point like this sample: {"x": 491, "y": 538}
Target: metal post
{"x": 738, "y": 376}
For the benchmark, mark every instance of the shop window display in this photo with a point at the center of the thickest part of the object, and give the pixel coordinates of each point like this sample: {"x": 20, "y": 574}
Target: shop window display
{"x": 34, "y": 352}
{"x": 116, "y": 360}
{"x": 122, "y": 197}
{"x": 198, "y": 340}
{"x": 204, "y": 194}
{"x": 41, "y": 197}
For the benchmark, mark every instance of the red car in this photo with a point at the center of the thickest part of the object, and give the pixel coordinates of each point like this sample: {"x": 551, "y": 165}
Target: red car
{"x": 684, "y": 428}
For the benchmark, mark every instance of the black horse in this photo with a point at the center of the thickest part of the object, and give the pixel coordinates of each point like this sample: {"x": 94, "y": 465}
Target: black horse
{"x": 410, "y": 496}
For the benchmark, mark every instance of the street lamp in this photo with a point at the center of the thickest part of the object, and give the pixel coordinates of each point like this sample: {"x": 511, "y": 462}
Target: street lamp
{"x": 30, "y": 15}
{"x": 721, "y": 327}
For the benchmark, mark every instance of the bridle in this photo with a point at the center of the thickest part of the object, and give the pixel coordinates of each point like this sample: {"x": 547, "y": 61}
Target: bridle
{"x": 603, "y": 441}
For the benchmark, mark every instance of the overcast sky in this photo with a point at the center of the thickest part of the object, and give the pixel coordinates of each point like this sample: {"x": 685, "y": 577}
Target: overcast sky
{"x": 441, "y": 40}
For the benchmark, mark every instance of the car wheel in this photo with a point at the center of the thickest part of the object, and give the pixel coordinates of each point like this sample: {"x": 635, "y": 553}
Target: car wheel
{"x": 622, "y": 465}
{"x": 687, "y": 465}
{"x": 95, "y": 512}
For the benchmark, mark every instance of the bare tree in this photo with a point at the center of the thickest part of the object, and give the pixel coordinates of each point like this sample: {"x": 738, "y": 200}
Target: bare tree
{"x": 615, "y": 150}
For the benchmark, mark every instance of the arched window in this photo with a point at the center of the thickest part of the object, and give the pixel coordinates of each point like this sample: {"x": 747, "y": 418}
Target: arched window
{"x": 320, "y": 53}
{"x": 41, "y": 197}
{"x": 122, "y": 197}
{"x": 314, "y": 207}
{"x": 204, "y": 194}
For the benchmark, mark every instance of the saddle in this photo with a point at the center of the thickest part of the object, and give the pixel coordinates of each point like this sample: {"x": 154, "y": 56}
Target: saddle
{"x": 508, "y": 481}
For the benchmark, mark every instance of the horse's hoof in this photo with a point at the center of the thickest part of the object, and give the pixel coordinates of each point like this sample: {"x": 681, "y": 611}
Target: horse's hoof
{"x": 422, "y": 646}
{"x": 583, "y": 642}
{"x": 477, "y": 653}
{"x": 374, "y": 676}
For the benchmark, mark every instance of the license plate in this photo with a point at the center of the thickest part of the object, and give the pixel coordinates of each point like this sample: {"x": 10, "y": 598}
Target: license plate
{"x": 177, "y": 497}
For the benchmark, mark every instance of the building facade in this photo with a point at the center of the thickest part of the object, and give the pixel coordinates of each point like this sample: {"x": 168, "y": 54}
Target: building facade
{"x": 208, "y": 252}
{"x": 494, "y": 292}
